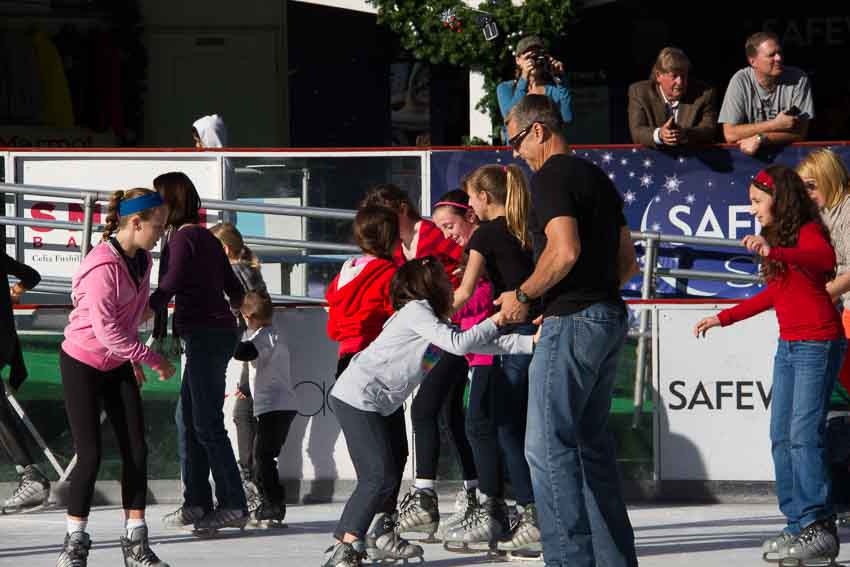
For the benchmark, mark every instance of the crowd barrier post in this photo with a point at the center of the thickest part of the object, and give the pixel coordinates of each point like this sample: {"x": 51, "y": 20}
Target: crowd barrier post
{"x": 646, "y": 292}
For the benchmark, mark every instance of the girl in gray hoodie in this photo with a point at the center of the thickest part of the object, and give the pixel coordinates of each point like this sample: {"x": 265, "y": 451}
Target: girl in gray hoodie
{"x": 380, "y": 378}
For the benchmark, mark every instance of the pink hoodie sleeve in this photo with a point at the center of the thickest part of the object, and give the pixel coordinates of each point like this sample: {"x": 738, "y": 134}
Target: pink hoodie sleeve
{"x": 118, "y": 335}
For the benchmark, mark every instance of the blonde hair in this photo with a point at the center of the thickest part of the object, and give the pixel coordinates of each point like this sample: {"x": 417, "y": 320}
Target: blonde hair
{"x": 670, "y": 60}
{"x": 830, "y": 175}
{"x": 506, "y": 186}
{"x": 232, "y": 238}
{"x": 113, "y": 222}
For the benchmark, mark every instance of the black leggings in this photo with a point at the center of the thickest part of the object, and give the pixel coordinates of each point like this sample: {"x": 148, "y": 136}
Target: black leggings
{"x": 86, "y": 389}
{"x": 447, "y": 378}
{"x": 11, "y": 436}
{"x": 272, "y": 429}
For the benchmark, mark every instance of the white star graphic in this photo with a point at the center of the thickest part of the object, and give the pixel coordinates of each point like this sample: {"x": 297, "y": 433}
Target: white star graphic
{"x": 629, "y": 197}
{"x": 633, "y": 287}
{"x": 710, "y": 183}
{"x": 672, "y": 183}
{"x": 647, "y": 162}
{"x": 631, "y": 174}
{"x": 645, "y": 180}
{"x": 690, "y": 199}
{"x": 681, "y": 159}
{"x": 607, "y": 157}
{"x": 634, "y": 150}
{"x": 656, "y": 227}
{"x": 624, "y": 162}
{"x": 657, "y": 199}
{"x": 612, "y": 176}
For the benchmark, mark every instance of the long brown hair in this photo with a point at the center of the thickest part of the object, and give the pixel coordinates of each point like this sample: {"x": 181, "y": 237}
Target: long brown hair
{"x": 184, "y": 204}
{"x": 376, "y": 230}
{"x": 423, "y": 278}
{"x": 505, "y": 184}
{"x": 113, "y": 222}
{"x": 791, "y": 209}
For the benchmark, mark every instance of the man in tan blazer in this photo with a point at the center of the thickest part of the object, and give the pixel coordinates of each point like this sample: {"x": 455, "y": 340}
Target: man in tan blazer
{"x": 668, "y": 109}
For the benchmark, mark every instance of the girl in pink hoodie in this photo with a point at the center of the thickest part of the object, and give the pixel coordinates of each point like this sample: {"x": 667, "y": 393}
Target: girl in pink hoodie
{"x": 100, "y": 362}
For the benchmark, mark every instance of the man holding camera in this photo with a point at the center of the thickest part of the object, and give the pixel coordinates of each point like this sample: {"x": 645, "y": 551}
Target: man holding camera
{"x": 767, "y": 102}
{"x": 670, "y": 110}
{"x": 537, "y": 72}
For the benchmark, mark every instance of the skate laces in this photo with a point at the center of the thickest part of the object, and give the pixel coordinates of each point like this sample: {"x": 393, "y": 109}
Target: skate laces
{"x": 406, "y": 506}
{"x": 77, "y": 550}
{"x": 146, "y": 555}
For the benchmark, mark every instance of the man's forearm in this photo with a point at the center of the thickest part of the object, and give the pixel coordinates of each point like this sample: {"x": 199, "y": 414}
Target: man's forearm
{"x": 784, "y": 137}
{"x": 552, "y": 266}
{"x": 733, "y": 133}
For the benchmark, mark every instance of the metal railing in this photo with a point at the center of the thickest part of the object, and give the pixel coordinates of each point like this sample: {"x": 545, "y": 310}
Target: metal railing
{"x": 651, "y": 242}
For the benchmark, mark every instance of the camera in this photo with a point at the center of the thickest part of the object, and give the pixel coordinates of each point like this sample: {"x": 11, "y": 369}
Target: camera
{"x": 540, "y": 60}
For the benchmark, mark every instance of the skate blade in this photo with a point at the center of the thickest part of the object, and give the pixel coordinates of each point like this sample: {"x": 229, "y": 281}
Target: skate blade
{"x": 269, "y": 524}
{"x": 420, "y": 538}
{"x": 819, "y": 562}
{"x": 524, "y": 555}
{"x": 380, "y": 558}
{"x": 10, "y": 510}
{"x": 472, "y": 548}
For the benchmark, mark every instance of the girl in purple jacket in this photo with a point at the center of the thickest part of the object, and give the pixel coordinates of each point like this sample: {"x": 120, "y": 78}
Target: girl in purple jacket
{"x": 100, "y": 361}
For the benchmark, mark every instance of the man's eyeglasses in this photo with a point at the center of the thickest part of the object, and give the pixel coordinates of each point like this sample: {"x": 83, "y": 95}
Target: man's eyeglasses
{"x": 516, "y": 141}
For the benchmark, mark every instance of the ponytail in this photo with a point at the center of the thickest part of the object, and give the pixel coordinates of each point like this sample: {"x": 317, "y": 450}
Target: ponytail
{"x": 229, "y": 235}
{"x": 517, "y": 205}
{"x": 506, "y": 186}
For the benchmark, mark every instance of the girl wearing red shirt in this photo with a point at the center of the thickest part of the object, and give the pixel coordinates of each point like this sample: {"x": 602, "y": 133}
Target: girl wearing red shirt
{"x": 798, "y": 261}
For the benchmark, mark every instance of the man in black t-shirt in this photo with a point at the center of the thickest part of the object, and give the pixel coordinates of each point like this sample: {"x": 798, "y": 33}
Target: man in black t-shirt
{"x": 583, "y": 255}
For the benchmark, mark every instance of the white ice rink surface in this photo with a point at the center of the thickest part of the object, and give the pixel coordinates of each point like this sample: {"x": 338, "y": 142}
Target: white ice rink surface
{"x": 684, "y": 536}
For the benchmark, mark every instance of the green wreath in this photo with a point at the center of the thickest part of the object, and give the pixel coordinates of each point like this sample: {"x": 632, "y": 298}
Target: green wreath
{"x": 449, "y": 31}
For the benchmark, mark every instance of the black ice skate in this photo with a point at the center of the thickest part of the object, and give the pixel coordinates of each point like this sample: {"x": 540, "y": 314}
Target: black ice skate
{"x": 269, "y": 515}
{"x": 419, "y": 514}
{"x": 137, "y": 551}
{"x": 75, "y": 550}
{"x": 343, "y": 555}
{"x": 817, "y": 544}
{"x": 33, "y": 492}
{"x": 384, "y": 544}
{"x": 219, "y": 519}
{"x": 481, "y": 530}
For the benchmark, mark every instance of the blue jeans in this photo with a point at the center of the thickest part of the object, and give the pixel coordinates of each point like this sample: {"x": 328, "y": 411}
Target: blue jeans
{"x": 512, "y": 403}
{"x": 207, "y": 446}
{"x": 804, "y": 374}
{"x": 570, "y": 452}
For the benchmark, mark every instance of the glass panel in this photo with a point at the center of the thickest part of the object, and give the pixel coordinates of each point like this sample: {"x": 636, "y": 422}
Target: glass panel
{"x": 334, "y": 182}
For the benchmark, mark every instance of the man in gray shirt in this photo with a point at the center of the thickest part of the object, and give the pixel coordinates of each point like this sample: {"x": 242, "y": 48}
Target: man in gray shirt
{"x": 766, "y": 103}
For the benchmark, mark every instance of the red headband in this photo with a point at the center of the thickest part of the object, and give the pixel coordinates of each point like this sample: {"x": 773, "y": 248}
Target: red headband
{"x": 451, "y": 204}
{"x": 764, "y": 182}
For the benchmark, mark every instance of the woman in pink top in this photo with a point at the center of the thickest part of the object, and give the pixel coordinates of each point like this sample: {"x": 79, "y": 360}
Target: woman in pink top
{"x": 101, "y": 360}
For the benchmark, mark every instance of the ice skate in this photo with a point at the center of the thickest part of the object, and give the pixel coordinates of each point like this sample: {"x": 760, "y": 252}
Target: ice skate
{"x": 419, "y": 514}
{"x": 183, "y": 516}
{"x": 774, "y": 549}
{"x": 219, "y": 519}
{"x": 33, "y": 492}
{"x": 816, "y": 545}
{"x": 343, "y": 555}
{"x": 465, "y": 502}
{"x": 481, "y": 530}
{"x": 385, "y": 545}
{"x": 75, "y": 550}
{"x": 137, "y": 551}
{"x": 252, "y": 493}
{"x": 524, "y": 543}
{"x": 269, "y": 515}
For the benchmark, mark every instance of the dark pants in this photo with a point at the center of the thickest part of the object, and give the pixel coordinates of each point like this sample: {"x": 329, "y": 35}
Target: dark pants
{"x": 398, "y": 429}
{"x": 11, "y": 435}
{"x": 208, "y": 449}
{"x": 246, "y": 426}
{"x": 481, "y": 430}
{"x": 85, "y": 390}
{"x": 272, "y": 429}
{"x": 376, "y": 445}
{"x": 446, "y": 378}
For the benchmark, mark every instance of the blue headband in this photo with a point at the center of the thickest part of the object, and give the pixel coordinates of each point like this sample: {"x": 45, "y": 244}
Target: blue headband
{"x": 136, "y": 204}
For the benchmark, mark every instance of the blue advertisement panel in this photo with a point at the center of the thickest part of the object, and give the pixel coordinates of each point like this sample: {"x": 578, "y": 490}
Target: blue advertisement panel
{"x": 700, "y": 193}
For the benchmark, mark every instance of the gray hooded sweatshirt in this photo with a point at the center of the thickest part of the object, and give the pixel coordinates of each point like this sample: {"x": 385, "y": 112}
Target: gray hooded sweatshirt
{"x": 384, "y": 374}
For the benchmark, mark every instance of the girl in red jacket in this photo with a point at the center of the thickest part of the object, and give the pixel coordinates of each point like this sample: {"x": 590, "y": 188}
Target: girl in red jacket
{"x": 798, "y": 260}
